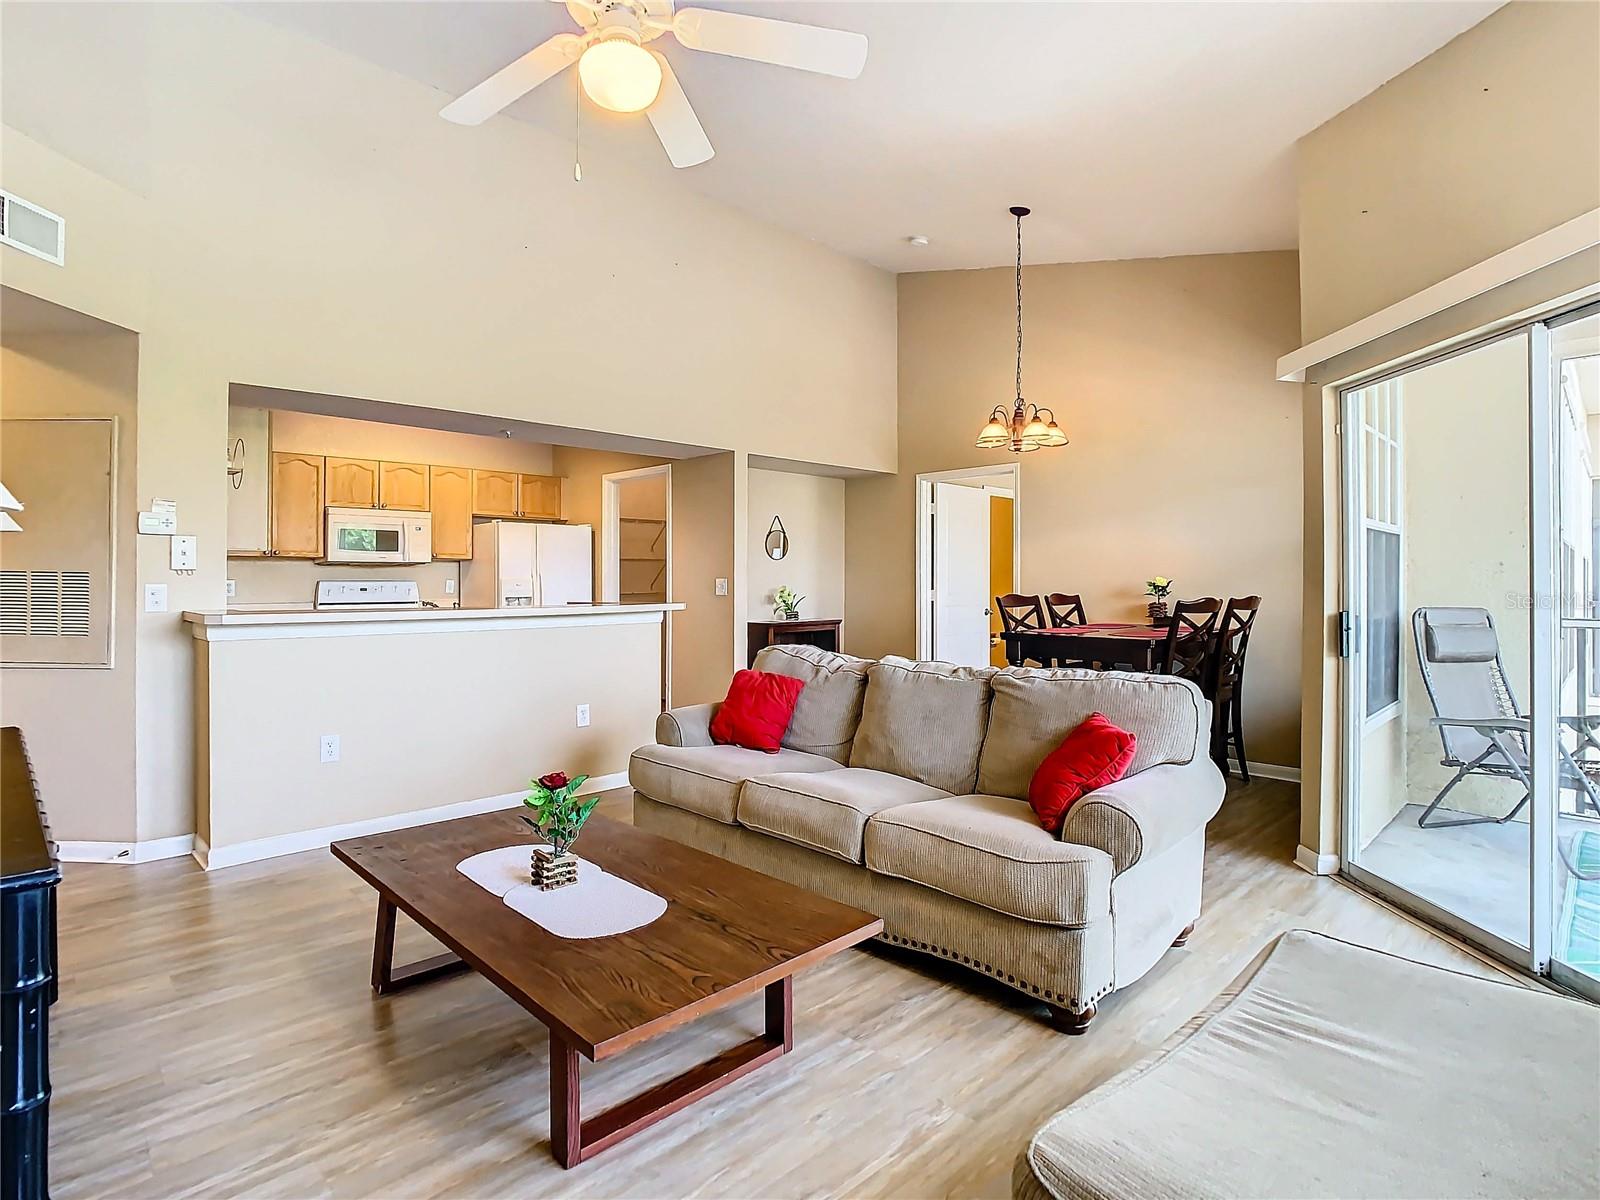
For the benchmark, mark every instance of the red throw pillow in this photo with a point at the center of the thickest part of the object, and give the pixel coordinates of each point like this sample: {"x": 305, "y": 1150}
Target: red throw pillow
{"x": 757, "y": 710}
{"x": 1092, "y": 755}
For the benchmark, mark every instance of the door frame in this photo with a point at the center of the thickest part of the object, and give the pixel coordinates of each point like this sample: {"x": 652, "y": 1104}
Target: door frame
{"x": 923, "y": 593}
{"x": 610, "y": 550}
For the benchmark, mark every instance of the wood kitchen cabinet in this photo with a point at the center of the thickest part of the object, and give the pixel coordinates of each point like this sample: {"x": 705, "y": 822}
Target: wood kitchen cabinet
{"x": 295, "y": 522}
{"x": 496, "y": 493}
{"x": 403, "y": 486}
{"x": 450, "y": 500}
{"x": 352, "y": 482}
{"x": 540, "y": 496}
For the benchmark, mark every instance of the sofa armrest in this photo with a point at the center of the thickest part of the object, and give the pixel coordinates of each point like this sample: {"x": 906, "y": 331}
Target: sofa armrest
{"x": 688, "y": 726}
{"x": 1141, "y": 815}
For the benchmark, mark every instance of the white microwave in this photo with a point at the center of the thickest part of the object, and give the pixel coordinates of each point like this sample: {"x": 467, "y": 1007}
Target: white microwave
{"x": 369, "y": 535}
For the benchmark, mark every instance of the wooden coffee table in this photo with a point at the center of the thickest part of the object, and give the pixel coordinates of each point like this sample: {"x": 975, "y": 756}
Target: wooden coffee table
{"x": 727, "y": 934}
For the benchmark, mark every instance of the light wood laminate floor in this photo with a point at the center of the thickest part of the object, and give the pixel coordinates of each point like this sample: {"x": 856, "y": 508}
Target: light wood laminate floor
{"x": 216, "y": 1037}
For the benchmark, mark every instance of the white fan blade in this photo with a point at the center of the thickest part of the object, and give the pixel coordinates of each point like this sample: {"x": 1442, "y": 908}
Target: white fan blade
{"x": 680, "y": 131}
{"x": 510, "y": 84}
{"x": 786, "y": 43}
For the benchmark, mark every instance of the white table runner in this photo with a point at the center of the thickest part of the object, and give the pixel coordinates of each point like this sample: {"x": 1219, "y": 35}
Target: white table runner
{"x": 598, "y": 905}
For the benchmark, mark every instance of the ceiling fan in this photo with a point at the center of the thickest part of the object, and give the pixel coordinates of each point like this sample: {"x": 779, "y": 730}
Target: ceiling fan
{"x": 618, "y": 72}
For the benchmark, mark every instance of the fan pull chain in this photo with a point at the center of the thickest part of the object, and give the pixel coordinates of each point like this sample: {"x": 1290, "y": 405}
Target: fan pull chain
{"x": 577, "y": 129}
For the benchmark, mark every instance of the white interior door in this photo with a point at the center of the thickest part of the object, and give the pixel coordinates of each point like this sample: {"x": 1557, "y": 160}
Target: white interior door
{"x": 961, "y": 574}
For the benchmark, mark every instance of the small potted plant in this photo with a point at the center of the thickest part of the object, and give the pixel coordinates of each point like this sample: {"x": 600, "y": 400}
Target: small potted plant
{"x": 557, "y": 816}
{"x": 788, "y": 604}
{"x": 1159, "y": 587}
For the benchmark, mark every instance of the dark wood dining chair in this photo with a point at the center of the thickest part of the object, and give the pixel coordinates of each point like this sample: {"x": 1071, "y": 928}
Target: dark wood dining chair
{"x": 1190, "y": 642}
{"x": 1065, "y": 609}
{"x": 1018, "y": 612}
{"x": 1227, "y": 682}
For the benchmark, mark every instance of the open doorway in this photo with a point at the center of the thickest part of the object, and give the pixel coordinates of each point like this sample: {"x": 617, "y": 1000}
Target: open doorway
{"x": 969, "y": 532}
{"x": 636, "y": 547}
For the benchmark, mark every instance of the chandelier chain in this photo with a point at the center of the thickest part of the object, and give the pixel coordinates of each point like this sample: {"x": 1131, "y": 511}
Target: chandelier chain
{"x": 1019, "y": 308}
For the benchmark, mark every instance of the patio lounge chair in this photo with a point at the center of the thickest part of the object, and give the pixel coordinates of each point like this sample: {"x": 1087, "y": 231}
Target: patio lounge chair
{"x": 1483, "y": 731}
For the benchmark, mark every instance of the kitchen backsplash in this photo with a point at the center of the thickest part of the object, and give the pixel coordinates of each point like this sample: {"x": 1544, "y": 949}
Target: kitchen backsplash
{"x": 274, "y": 581}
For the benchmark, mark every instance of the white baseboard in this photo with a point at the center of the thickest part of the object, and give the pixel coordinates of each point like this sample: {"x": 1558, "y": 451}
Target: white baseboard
{"x": 215, "y": 857}
{"x": 1314, "y": 863}
{"x": 126, "y": 852}
{"x": 1274, "y": 771}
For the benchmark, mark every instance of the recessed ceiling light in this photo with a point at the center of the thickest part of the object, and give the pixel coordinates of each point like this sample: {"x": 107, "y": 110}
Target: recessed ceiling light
{"x": 917, "y": 240}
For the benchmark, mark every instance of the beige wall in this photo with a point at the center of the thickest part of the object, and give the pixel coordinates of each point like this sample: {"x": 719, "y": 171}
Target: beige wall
{"x": 582, "y": 498}
{"x": 704, "y": 496}
{"x": 424, "y": 720}
{"x": 812, "y": 509}
{"x": 311, "y": 433}
{"x": 1491, "y": 140}
{"x": 1183, "y": 459}
{"x": 259, "y": 238}
{"x": 79, "y": 721}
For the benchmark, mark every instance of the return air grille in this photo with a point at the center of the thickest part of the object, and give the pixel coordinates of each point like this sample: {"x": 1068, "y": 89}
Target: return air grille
{"x": 44, "y": 603}
{"x": 31, "y": 229}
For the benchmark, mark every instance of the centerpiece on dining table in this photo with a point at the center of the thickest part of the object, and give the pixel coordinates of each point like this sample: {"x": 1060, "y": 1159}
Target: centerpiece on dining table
{"x": 557, "y": 815}
{"x": 1160, "y": 587}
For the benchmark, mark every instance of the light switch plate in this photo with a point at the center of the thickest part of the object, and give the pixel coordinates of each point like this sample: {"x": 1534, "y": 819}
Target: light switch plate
{"x": 155, "y": 597}
{"x": 185, "y": 551}
{"x": 722, "y": 587}
{"x": 449, "y": 587}
{"x": 231, "y": 589}
{"x": 583, "y": 716}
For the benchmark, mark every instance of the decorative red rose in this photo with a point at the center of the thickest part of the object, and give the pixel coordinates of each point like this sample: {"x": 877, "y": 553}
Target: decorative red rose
{"x": 554, "y": 780}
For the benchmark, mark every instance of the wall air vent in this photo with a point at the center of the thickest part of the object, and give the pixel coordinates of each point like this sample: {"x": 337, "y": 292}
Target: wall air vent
{"x": 32, "y": 229}
{"x": 44, "y": 603}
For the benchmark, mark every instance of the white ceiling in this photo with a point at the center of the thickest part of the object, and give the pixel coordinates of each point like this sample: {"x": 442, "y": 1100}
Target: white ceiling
{"x": 1132, "y": 130}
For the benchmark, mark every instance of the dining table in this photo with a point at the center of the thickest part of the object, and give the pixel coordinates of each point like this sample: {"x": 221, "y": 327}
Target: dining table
{"x": 1110, "y": 644}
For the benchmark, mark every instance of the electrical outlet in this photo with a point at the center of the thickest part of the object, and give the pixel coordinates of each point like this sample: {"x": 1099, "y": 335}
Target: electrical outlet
{"x": 722, "y": 587}
{"x": 449, "y": 587}
{"x": 583, "y": 716}
{"x": 329, "y": 747}
{"x": 155, "y": 597}
{"x": 231, "y": 589}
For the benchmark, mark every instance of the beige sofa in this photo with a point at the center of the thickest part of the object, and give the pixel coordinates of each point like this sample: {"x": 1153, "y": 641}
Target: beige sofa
{"x": 902, "y": 789}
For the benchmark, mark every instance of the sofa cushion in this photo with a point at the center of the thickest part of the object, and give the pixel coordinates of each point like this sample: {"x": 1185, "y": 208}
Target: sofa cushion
{"x": 829, "y": 708}
{"x": 1034, "y": 709}
{"x": 826, "y": 810}
{"x": 1093, "y": 755}
{"x": 925, "y": 720}
{"x": 706, "y": 779}
{"x": 991, "y": 851}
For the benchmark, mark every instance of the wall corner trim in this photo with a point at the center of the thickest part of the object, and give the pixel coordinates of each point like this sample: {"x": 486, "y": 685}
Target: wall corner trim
{"x": 1569, "y": 238}
{"x": 1314, "y": 863}
{"x": 212, "y": 858}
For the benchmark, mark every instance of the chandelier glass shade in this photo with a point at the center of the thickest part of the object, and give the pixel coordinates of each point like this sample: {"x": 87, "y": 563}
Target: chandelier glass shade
{"x": 1024, "y": 427}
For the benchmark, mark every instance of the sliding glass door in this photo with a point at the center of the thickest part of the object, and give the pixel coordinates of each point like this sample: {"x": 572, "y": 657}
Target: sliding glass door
{"x": 1471, "y": 771}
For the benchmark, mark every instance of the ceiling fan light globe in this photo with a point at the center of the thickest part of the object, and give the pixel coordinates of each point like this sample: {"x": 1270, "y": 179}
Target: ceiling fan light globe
{"x": 620, "y": 75}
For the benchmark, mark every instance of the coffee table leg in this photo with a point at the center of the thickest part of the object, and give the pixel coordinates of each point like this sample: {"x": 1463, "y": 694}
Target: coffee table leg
{"x": 566, "y": 1125}
{"x": 572, "y": 1139}
{"x": 386, "y": 977}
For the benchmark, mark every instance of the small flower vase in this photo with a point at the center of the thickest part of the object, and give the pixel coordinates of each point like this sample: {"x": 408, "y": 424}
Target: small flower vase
{"x": 1158, "y": 611}
{"x": 551, "y": 870}
{"x": 792, "y": 614}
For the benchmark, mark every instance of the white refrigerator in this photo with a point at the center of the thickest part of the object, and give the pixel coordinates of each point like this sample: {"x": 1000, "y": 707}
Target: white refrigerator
{"x": 519, "y": 564}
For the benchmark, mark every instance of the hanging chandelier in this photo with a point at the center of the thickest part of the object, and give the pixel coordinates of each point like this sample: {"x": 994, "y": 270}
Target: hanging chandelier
{"x": 1025, "y": 427}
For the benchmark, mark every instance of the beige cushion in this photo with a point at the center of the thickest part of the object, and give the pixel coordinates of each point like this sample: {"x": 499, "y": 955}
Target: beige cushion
{"x": 924, "y": 720}
{"x": 706, "y": 779}
{"x": 825, "y": 811}
{"x": 991, "y": 850}
{"x": 1034, "y": 709}
{"x": 829, "y": 708}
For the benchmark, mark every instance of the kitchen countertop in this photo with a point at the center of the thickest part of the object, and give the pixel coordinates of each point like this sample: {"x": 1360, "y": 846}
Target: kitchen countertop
{"x": 291, "y": 615}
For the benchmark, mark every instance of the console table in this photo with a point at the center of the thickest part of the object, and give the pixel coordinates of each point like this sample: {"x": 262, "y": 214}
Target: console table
{"x": 28, "y": 877}
{"x": 826, "y": 634}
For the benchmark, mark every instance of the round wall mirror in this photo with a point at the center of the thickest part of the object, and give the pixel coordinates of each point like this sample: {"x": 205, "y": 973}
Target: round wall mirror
{"x": 777, "y": 540}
